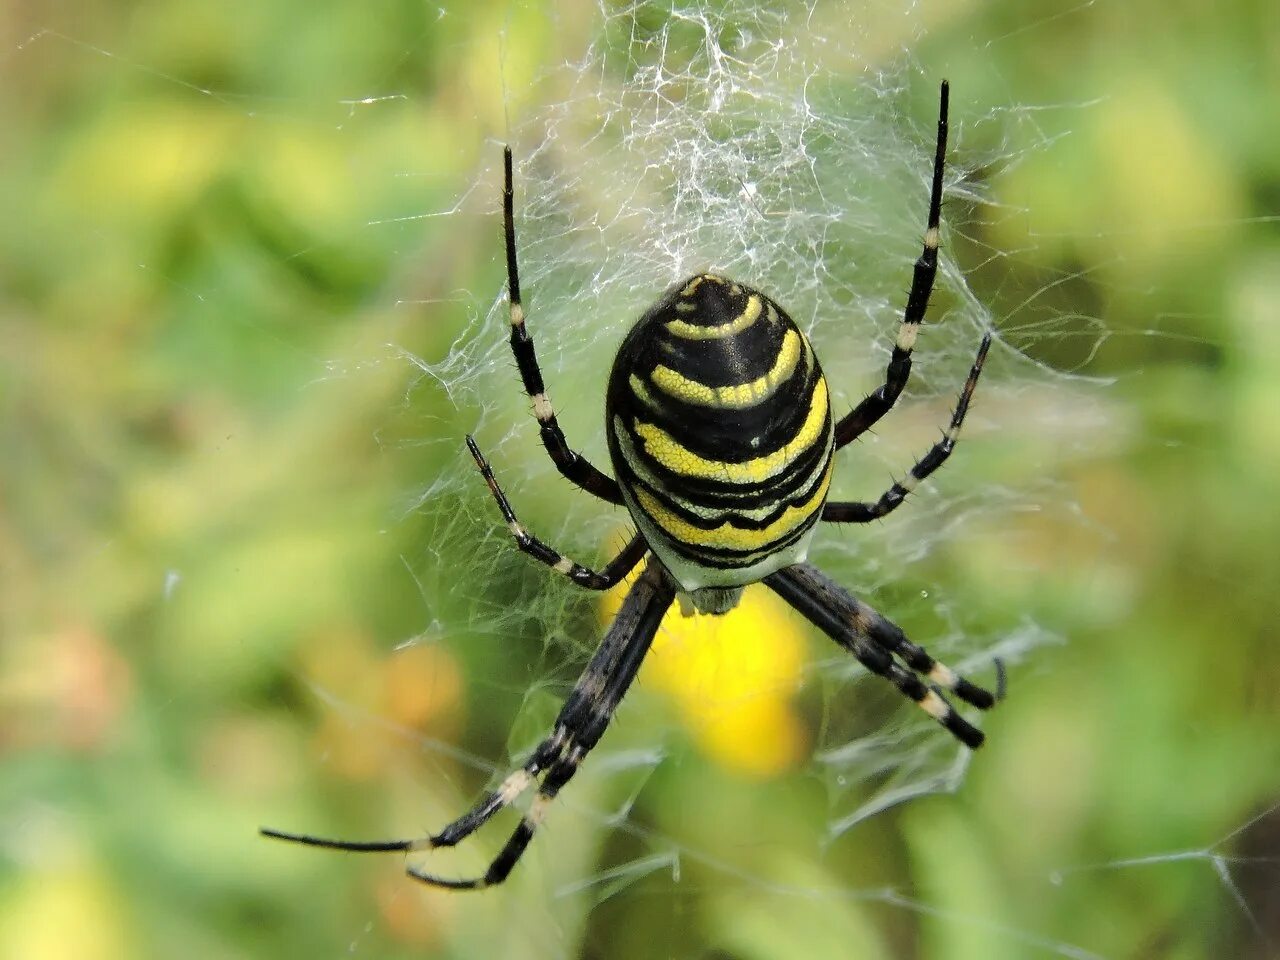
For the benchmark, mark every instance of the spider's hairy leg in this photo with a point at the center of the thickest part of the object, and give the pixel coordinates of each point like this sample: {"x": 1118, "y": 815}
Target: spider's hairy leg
{"x": 578, "y": 727}
{"x": 496, "y": 800}
{"x": 879, "y": 402}
{"x": 874, "y": 641}
{"x": 614, "y": 571}
{"x": 514, "y": 785}
{"x": 887, "y": 634}
{"x": 570, "y": 463}
{"x": 860, "y": 512}
{"x": 582, "y": 720}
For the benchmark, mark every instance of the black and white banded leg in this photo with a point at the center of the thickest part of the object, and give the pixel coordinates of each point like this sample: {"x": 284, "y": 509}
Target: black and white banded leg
{"x": 875, "y": 641}
{"x": 860, "y": 512}
{"x": 614, "y": 571}
{"x": 570, "y": 463}
{"x": 878, "y": 403}
{"x": 578, "y": 727}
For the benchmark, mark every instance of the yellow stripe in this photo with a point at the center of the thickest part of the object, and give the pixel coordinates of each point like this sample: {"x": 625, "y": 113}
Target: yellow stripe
{"x": 727, "y": 536}
{"x": 640, "y": 467}
{"x": 693, "y": 285}
{"x": 692, "y": 331}
{"x": 642, "y": 393}
{"x": 736, "y": 397}
{"x": 680, "y": 459}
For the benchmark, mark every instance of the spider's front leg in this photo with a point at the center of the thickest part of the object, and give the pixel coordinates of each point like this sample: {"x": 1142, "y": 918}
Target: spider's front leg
{"x": 860, "y": 512}
{"x": 614, "y": 571}
{"x": 571, "y": 464}
{"x": 578, "y": 727}
{"x": 864, "y": 416}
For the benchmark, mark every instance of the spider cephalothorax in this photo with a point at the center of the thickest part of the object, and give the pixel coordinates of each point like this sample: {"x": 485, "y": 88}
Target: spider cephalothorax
{"x": 720, "y": 431}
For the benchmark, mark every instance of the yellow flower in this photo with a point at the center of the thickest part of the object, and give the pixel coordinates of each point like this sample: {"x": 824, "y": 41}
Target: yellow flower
{"x": 732, "y": 678}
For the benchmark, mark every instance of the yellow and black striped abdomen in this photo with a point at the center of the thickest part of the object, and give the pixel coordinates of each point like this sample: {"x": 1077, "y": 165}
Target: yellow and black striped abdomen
{"x": 720, "y": 430}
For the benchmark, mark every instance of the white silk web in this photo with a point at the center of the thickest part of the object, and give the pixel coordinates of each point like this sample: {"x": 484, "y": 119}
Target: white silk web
{"x": 763, "y": 143}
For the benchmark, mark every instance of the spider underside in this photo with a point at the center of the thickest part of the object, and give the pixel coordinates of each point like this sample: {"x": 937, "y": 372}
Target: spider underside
{"x": 722, "y": 441}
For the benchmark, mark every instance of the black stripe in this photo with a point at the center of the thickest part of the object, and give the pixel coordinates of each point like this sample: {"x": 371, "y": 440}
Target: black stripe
{"x": 526, "y": 360}
{"x": 725, "y": 559}
{"x": 719, "y": 362}
{"x": 509, "y": 227}
{"x": 786, "y": 397}
{"x": 785, "y": 499}
{"x": 714, "y": 302}
{"x": 505, "y": 860}
{"x": 725, "y": 433}
{"x": 723, "y": 493}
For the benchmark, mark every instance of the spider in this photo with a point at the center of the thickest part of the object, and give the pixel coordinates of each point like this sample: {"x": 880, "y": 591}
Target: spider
{"x": 722, "y": 440}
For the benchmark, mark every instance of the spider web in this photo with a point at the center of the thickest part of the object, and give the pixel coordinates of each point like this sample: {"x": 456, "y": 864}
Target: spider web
{"x": 787, "y": 145}
{"x": 754, "y": 141}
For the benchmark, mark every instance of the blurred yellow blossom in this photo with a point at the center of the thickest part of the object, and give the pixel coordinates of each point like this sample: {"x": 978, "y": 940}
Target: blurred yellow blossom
{"x": 732, "y": 678}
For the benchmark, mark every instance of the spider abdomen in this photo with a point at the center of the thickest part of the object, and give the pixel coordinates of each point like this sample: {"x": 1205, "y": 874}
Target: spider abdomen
{"x": 720, "y": 431}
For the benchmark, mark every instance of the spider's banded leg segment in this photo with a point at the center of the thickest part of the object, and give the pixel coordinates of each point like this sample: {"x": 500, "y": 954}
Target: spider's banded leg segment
{"x": 580, "y": 724}
{"x": 873, "y": 640}
{"x": 511, "y": 851}
{"x": 859, "y": 512}
{"x": 352, "y": 846}
{"x": 571, "y": 464}
{"x": 514, "y": 785}
{"x": 878, "y": 403}
{"x": 614, "y": 571}
{"x": 889, "y": 635}
{"x": 583, "y": 718}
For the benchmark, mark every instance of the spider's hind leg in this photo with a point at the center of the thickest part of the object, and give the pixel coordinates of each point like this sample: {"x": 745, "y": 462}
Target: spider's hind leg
{"x": 581, "y": 722}
{"x": 578, "y": 727}
{"x": 875, "y": 641}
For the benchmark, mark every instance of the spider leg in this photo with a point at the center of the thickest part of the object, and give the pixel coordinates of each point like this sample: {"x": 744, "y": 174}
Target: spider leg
{"x": 514, "y": 785}
{"x": 860, "y": 512}
{"x": 580, "y": 724}
{"x": 583, "y": 718}
{"x": 874, "y": 640}
{"x": 614, "y": 571}
{"x": 878, "y": 403}
{"x": 571, "y": 464}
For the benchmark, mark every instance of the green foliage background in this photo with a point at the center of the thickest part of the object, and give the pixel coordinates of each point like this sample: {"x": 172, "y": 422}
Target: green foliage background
{"x": 207, "y": 455}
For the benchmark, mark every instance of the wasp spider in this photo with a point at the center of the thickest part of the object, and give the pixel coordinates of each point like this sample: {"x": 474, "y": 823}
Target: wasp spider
{"x": 722, "y": 441}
